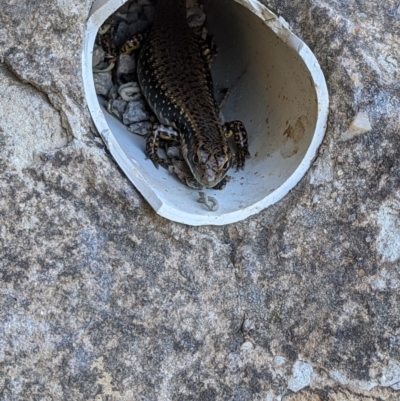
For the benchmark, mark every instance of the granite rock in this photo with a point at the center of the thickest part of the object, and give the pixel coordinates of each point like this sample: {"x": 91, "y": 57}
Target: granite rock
{"x": 101, "y": 299}
{"x": 29, "y": 125}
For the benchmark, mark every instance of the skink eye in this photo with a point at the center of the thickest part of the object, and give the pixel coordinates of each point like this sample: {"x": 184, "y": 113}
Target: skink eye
{"x": 196, "y": 159}
{"x": 226, "y": 165}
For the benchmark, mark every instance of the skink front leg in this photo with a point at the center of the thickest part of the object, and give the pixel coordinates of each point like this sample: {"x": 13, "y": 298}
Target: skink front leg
{"x": 237, "y": 129}
{"x": 112, "y": 53}
{"x": 153, "y": 141}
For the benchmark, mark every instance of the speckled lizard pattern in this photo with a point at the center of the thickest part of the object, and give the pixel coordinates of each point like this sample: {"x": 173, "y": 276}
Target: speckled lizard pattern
{"x": 176, "y": 81}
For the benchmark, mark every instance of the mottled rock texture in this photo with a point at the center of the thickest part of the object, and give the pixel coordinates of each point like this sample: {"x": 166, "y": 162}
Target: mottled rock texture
{"x": 101, "y": 299}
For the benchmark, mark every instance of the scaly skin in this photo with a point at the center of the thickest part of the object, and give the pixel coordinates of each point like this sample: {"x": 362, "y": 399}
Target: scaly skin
{"x": 176, "y": 81}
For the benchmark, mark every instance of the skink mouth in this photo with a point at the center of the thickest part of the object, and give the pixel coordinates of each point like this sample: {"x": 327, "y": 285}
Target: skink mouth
{"x": 211, "y": 182}
{"x": 210, "y": 185}
{"x": 208, "y": 174}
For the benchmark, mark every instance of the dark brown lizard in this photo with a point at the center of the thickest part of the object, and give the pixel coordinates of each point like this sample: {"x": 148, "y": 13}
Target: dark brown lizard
{"x": 175, "y": 79}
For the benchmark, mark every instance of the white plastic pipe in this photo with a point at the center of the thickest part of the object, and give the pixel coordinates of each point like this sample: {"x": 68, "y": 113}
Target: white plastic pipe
{"x": 277, "y": 90}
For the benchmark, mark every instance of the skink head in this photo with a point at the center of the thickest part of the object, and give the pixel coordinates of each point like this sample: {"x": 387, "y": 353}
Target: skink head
{"x": 209, "y": 166}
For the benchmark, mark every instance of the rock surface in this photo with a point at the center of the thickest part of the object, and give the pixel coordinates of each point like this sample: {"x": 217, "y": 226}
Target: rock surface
{"x": 101, "y": 299}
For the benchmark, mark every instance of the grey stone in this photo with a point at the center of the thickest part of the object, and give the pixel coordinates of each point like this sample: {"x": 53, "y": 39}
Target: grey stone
{"x": 103, "y": 299}
{"x": 133, "y": 16}
{"x": 122, "y": 33}
{"x": 129, "y": 27}
{"x": 113, "y": 92}
{"x": 174, "y": 152}
{"x": 138, "y": 26}
{"x": 135, "y": 8}
{"x": 103, "y": 82}
{"x": 126, "y": 65}
{"x": 196, "y": 17}
{"x": 117, "y": 107}
{"x": 98, "y": 55}
{"x": 143, "y": 128}
{"x": 124, "y": 9}
{"x": 135, "y": 112}
{"x": 120, "y": 105}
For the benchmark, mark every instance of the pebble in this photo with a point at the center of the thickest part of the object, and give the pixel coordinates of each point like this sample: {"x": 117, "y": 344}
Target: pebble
{"x": 103, "y": 83}
{"x": 135, "y": 112}
{"x": 181, "y": 169}
{"x": 196, "y": 17}
{"x": 138, "y": 26}
{"x": 113, "y": 92}
{"x": 246, "y": 346}
{"x": 126, "y": 65}
{"x": 142, "y": 128}
{"x": 133, "y": 16}
{"x": 124, "y": 8}
{"x": 117, "y": 107}
{"x": 98, "y": 55}
{"x": 122, "y": 33}
{"x": 174, "y": 152}
{"x": 135, "y": 8}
